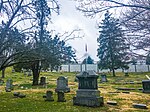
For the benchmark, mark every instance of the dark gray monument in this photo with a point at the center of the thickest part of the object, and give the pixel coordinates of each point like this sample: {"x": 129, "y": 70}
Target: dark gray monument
{"x": 103, "y": 78}
{"x": 43, "y": 81}
{"x": 88, "y": 93}
{"x": 9, "y": 85}
{"x": 1, "y": 82}
{"x": 146, "y": 86}
{"x": 49, "y": 96}
{"x": 62, "y": 85}
{"x": 61, "y": 97}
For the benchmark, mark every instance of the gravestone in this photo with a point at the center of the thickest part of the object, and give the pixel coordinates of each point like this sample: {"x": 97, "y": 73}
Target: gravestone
{"x": 61, "y": 97}
{"x": 49, "y": 96}
{"x": 13, "y": 70}
{"x": 29, "y": 73}
{"x": 88, "y": 93}
{"x": 62, "y": 85}
{"x": 126, "y": 74}
{"x": 103, "y": 78}
{"x": 146, "y": 86}
{"x": 9, "y": 85}
{"x": 141, "y": 106}
{"x": 43, "y": 81}
{"x": 1, "y": 82}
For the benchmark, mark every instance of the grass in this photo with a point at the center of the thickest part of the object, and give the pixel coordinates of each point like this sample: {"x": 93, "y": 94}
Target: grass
{"x": 34, "y": 101}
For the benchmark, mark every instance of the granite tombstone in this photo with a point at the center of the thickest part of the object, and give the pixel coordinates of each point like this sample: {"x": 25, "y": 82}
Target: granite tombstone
{"x": 88, "y": 93}
{"x": 146, "y": 86}
{"x": 62, "y": 85}
{"x": 9, "y": 85}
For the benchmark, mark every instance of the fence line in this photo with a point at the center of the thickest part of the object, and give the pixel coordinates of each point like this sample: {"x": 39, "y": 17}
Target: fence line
{"x": 81, "y": 67}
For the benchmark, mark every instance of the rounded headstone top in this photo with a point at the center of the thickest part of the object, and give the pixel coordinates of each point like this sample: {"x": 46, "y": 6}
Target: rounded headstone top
{"x": 89, "y": 73}
{"x": 61, "y": 78}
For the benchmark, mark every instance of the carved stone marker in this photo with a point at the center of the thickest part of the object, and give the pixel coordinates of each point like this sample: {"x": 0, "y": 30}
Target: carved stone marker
{"x": 103, "y": 78}
{"x": 88, "y": 93}
{"x": 43, "y": 81}
{"x": 146, "y": 86}
{"x": 9, "y": 85}
{"x": 61, "y": 97}
{"x": 49, "y": 96}
{"x": 62, "y": 85}
{"x": 1, "y": 82}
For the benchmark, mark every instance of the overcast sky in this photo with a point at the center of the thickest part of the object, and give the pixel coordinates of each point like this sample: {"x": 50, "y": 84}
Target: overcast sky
{"x": 70, "y": 19}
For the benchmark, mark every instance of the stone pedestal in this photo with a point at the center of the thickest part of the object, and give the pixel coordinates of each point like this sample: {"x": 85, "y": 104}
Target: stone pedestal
{"x": 146, "y": 86}
{"x": 88, "y": 93}
{"x": 61, "y": 97}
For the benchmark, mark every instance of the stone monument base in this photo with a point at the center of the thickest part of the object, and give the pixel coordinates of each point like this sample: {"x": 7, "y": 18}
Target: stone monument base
{"x": 88, "y": 101}
{"x": 88, "y": 97}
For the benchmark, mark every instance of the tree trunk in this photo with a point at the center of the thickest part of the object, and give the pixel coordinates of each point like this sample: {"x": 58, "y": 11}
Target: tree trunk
{"x": 3, "y": 73}
{"x": 35, "y": 70}
{"x": 148, "y": 67}
{"x": 135, "y": 68}
{"x": 113, "y": 72}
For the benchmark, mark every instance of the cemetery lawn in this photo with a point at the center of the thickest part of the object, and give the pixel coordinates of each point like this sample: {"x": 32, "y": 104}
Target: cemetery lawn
{"x": 34, "y": 101}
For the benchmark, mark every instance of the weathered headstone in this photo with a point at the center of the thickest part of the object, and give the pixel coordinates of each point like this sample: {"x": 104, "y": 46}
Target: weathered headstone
{"x": 9, "y": 85}
{"x": 141, "y": 106}
{"x": 13, "y": 70}
{"x": 112, "y": 102}
{"x": 1, "y": 82}
{"x": 103, "y": 78}
{"x": 62, "y": 85}
{"x": 146, "y": 86}
{"x": 49, "y": 96}
{"x": 43, "y": 81}
{"x": 88, "y": 93}
{"x": 61, "y": 97}
{"x": 29, "y": 73}
{"x": 126, "y": 74}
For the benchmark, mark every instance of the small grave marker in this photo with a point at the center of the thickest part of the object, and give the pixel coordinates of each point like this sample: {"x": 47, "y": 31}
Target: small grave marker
{"x": 112, "y": 102}
{"x": 141, "y": 106}
{"x": 49, "y": 96}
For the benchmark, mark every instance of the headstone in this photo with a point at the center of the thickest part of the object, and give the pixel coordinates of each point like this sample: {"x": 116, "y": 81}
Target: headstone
{"x": 127, "y": 92}
{"x": 43, "y": 81}
{"x": 126, "y": 74}
{"x": 103, "y": 78}
{"x": 13, "y": 70}
{"x": 49, "y": 96}
{"x": 62, "y": 85}
{"x": 9, "y": 85}
{"x": 16, "y": 94}
{"x": 61, "y": 97}
{"x": 21, "y": 95}
{"x": 146, "y": 86}
{"x": 29, "y": 73}
{"x": 141, "y": 106}
{"x": 88, "y": 93}
{"x": 1, "y": 82}
{"x": 112, "y": 102}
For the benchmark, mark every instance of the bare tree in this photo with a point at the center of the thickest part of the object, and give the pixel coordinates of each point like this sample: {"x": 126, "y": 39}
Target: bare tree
{"x": 93, "y": 7}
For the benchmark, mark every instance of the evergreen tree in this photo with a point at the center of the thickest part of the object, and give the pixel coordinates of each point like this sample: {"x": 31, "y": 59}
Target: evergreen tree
{"x": 112, "y": 46}
{"x": 89, "y": 60}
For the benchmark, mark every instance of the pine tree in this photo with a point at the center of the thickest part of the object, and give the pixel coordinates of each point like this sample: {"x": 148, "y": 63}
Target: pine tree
{"x": 112, "y": 46}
